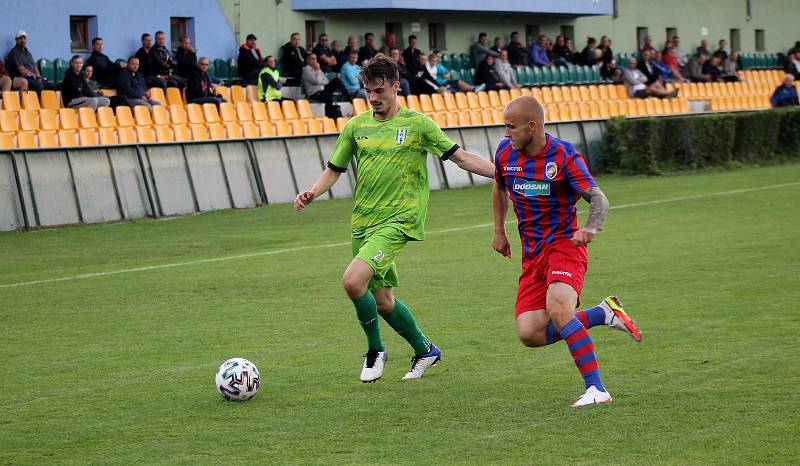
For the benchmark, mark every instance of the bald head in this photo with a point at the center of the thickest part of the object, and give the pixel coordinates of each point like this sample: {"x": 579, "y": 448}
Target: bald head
{"x": 527, "y": 108}
{"x": 524, "y": 121}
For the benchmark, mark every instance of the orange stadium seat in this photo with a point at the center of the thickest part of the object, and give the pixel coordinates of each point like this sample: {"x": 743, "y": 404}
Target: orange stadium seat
{"x": 224, "y": 92}
{"x": 472, "y": 101}
{"x": 425, "y": 103}
{"x": 250, "y": 130}
{"x": 30, "y": 101}
{"x": 108, "y": 136}
{"x": 29, "y": 120}
{"x": 7, "y": 140}
{"x": 67, "y": 138}
{"x": 216, "y": 130}
{"x": 360, "y": 105}
{"x": 26, "y": 140}
{"x": 68, "y": 118}
{"x": 274, "y": 111}
{"x": 126, "y": 134}
{"x": 412, "y": 100}
{"x": 266, "y": 128}
{"x": 199, "y": 132}
{"x": 164, "y": 134}
{"x": 211, "y": 114}
{"x": 48, "y": 138}
{"x": 227, "y": 112}
{"x": 124, "y": 117}
{"x": 234, "y": 130}
{"x": 304, "y": 109}
{"x": 141, "y": 116}
{"x": 157, "y": 94}
{"x": 282, "y": 128}
{"x": 177, "y": 115}
{"x": 145, "y": 134}
{"x": 11, "y": 101}
{"x": 88, "y": 137}
{"x": 160, "y": 115}
{"x": 105, "y": 117}
{"x": 340, "y": 122}
{"x": 244, "y": 111}
{"x": 195, "y": 114}
{"x": 87, "y": 118}
{"x": 174, "y": 97}
{"x": 289, "y": 110}
{"x": 260, "y": 112}
{"x": 50, "y": 100}
{"x": 238, "y": 94}
{"x": 181, "y": 133}
{"x": 461, "y": 101}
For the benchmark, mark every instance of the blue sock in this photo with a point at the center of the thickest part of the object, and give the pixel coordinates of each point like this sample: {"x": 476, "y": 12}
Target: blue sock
{"x": 591, "y": 317}
{"x": 582, "y": 349}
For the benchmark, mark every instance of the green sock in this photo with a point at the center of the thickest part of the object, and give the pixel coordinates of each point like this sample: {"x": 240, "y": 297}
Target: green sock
{"x": 367, "y": 312}
{"x": 402, "y": 321}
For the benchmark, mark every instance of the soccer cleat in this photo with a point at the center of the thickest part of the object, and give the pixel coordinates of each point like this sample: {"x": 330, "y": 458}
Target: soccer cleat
{"x": 374, "y": 361}
{"x": 419, "y": 364}
{"x": 593, "y": 396}
{"x": 617, "y": 318}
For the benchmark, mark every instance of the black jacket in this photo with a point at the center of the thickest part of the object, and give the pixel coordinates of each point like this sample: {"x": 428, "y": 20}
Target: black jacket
{"x": 247, "y": 62}
{"x": 194, "y": 85}
{"x": 486, "y": 74}
{"x": 105, "y": 70}
{"x": 421, "y": 81}
{"x": 411, "y": 57}
{"x": 73, "y": 87}
{"x": 292, "y": 61}
{"x": 186, "y": 61}
{"x": 651, "y": 76}
{"x": 131, "y": 85}
{"x": 365, "y": 53}
{"x": 163, "y": 63}
{"x": 517, "y": 54}
{"x": 145, "y": 62}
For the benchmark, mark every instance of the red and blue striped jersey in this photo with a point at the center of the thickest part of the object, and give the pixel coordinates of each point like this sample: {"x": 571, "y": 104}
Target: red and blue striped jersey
{"x": 543, "y": 189}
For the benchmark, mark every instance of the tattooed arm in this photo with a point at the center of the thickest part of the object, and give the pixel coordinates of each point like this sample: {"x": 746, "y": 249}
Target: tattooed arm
{"x": 598, "y": 208}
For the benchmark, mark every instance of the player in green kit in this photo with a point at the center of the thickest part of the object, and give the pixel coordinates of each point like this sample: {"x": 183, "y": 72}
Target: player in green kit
{"x": 391, "y": 145}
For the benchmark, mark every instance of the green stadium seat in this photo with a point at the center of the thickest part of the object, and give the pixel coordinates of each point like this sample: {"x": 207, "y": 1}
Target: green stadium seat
{"x": 455, "y": 60}
{"x": 762, "y": 60}
{"x": 447, "y": 61}
{"x": 595, "y": 77}
{"x": 467, "y": 75}
{"x": 60, "y": 66}
{"x": 522, "y": 77}
{"x": 547, "y": 75}
{"x": 772, "y": 60}
{"x": 573, "y": 74}
{"x": 563, "y": 75}
{"x": 455, "y": 74}
{"x": 233, "y": 68}
{"x": 223, "y": 72}
{"x": 46, "y": 69}
{"x": 466, "y": 61}
{"x": 534, "y": 75}
{"x": 580, "y": 72}
{"x": 212, "y": 70}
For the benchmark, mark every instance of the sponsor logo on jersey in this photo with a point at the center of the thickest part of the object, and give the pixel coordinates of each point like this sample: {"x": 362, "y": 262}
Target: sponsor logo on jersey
{"x": 361, "y": 138}
{"x": 401, "y": 135}
{"x": 509, "y": 168}
{"x": 379, "y": 256}
{"x": 531, "y": 188}
{"x": 550, "y": 170}
{"x": 560, "y": 272}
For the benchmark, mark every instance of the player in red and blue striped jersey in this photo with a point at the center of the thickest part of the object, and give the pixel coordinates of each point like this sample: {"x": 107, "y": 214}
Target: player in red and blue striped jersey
{"x": 544, "y": 177}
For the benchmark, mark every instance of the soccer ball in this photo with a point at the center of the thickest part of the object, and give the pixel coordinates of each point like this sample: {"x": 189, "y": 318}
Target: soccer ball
{"x": 238, "y": 379}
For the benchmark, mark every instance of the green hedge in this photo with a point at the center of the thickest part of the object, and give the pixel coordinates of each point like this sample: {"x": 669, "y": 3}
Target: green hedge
{"x": 654, "y": 146}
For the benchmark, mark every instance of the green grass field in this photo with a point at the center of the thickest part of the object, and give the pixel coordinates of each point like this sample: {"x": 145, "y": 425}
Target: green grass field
{"x": 118, "y": 368}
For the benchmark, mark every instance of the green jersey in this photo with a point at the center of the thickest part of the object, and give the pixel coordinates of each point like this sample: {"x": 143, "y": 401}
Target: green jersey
{"x": 392, "y": 178}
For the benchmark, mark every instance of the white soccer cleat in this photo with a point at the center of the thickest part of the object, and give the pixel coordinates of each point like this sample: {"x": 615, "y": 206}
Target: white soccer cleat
{"x": 593, "y": 396}
{"x": 419, "y": 364}
{"x": 617, "y": 319}
{"x": 374, "y": 361}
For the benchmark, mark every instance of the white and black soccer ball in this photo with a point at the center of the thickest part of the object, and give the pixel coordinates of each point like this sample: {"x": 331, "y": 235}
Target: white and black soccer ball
{"x": 238, "y": 379}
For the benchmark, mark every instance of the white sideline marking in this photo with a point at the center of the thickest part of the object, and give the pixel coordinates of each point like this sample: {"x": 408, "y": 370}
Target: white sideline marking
{"x": 336, "y": 245}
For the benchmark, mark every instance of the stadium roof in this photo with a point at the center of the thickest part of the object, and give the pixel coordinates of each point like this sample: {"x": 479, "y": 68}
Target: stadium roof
{"x": 572, "y": 7}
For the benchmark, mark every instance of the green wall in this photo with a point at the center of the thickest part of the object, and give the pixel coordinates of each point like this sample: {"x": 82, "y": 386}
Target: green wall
{"x": 273, "y": 23}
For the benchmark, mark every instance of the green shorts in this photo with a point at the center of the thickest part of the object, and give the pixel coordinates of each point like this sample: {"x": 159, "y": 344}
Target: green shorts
{"x": 379, "y": 248}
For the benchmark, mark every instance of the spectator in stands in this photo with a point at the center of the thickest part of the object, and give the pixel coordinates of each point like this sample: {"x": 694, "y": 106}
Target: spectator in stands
{"x": 367, "y": 51}
{"x": 146, "y": 63}
{"x": 199, "y": 88}
{"x": 270, "y": 82}
{"x": 486, "y": 76}
{"x": 422, "y": 82}
{"x": 786, "y": 94}
{"x": 481, "y": 49}
{"x": 163, "y": 62}
{"x": 498, "y": 45}
{"x": 105, "y": 70}
{"x": 349, "y": 76}
{"x": 648, "y": 44}
{"x": 647, "y": 67}
{"x": 730, "y": 67}
{"x": 610, "y": 72}
{"x": 723, "y": 55}
{"x": 7, "y": 82}
{"x": 94, "y": 89}
{"x": 587, "y": 54}
{"x": 325, "y": 55}
{"x": 411, "y": 54}
{"x": 680, "y": 55}
{"x": 517, "y": 54}
{"x": 569, "y": 51}
{"x": 293, "y": 58}
{"x": 663, "y": 70}
{"x": 793, "y": 63}
{"x": 670, "y": 59}
{"x": 352, "y": 44}
{"x": 341, "y": 57}
{"x": 539, "y": 53}
{"x": 389, "y": 42}
{"x": 317, "y": 87}
{"x": 186, "y": 58}
{"x": 22, "y": 65}
{"x": 695, "y": 69}
{"x": 130, "y": 83}
{"x": 713, "y": 69}
{"x": 402, "y": 69}
{"x": 605, "y": 47}
{"x": 703, "y": 48}
{"x": 505, "y": 71}
{"x": 443, "y": 76}
{"x": 636, "y": 82}
{"x": 250, "y": 61}
{"x": 74, "y": 90}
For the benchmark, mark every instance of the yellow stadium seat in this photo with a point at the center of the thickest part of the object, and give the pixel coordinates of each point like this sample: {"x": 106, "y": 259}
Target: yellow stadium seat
{"x": 425, "y": 103}
{"x": 48, "y": 120}
{"x": 29, "y": 120}
{"x": 487, "y": 116}
{"x": 126, "y": 134}
{"x": 574, "y": 110}
{"x": 244, "y": 111}
{"x": 495, "y": 100}
{"x": 68, "y": 118}
{"x": 584, "y": 93}
{"x": 412, "y": 100}
{"x": 594, "y": 110}
{"x": 67, "y": 138}
{"x": 484, "y": 101}
{"x": 8, "y": 121}
{"x": 11, "y": 101}
{"x": 160, "y": 115}
{"x": 476, "y": 117}
{"x": 514, "y": 93}
{"x": 145, "y": 134}
{"x": 266, "y": 128}
{"x": 88, "y": 137}
{"x": 30, "y": 101}
{"x": 259, "y": 111}
{"x": 157, "y": 94}
{"x": 289, "y": 110}
{"x": 48, "y": 138}
{"x": 216, "y": 130}
{"x": 658, "y": 107}
{"x": 87, "y": 118}
{"x": 461, "y": 101}
{"x": 644, "y": 106}
{"x": 313, "y": 125}
{"x": 304, "y": 109}
{"x": 437, "y": 102}
{"x": 555, "y": 94}
{"x": 6, "y": 140}
{"x": 249, "y": 129}
{"x": 594, "y": 92}
{"x": 211, "y": 114}
{"x": 174, "y": 96}
{"x": 124, "y": 117}
{"x": 583, "y": 111}
{"x": 505, "y": 97}
{"x": 298, "y": 127}
{"x": 227, "y": 112}
{"x": 164, "y": 134}
{"x": 105, "y": 92}
{"x": 473, "y": 102}
{"x": 551, "y": 113}
{"x": 104, "y": 116}
{"x": 224, "y": 92}
{"x": 604, "y": 112}
{"x": 50, "y": 100}
{"x": 251, "y": 91}
{"x": 282, "y": 128}
{"x": 328, "y": 125}
{"x": 613, "y": 108}
{"x": 401, "y": 99}
{"x": 631, "y": 109}
{"x": 141, "y": 116}
{"x": 26, "y": 140}
{"x": 360, "y": 105}
{"x": 199, "y": 131}
{"x": 603, "y": 92}
{"x": 525, "y": 91}
{"x": 536, "y": 93}
{"x": 341, "y": 121}
{"x": 238, "y": 94}
{"x": 234, "y": 130}
{"x": 177, "y": 115}
{"x": 274, "y": 111}
{"x": 451, "y": 119}
{"x": 450, "y": 104}
{"x": 108, "y": 136}
{"x": 181, "y": 133}
{"x": 667, "y": 105}
{"x": 195, "y": 114}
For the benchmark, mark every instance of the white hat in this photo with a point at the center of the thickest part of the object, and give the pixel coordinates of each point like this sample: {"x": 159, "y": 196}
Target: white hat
{"x": 21, "y": 33}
